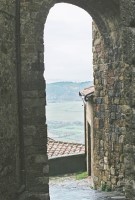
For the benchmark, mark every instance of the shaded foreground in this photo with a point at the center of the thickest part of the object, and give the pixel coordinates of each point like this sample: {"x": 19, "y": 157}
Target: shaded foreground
{"x": 68, "y": 188}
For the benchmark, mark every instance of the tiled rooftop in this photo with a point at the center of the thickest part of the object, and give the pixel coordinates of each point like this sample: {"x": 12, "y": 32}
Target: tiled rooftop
{"x": 59, "y": 148}
{"x": 87, "y": 92}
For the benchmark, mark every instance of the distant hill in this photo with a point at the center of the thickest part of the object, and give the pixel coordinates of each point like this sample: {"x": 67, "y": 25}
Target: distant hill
{"x": 65, "y": 91}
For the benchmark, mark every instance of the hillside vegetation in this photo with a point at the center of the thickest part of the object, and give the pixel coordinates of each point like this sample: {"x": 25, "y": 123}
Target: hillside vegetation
{"x": 65, "y": 91}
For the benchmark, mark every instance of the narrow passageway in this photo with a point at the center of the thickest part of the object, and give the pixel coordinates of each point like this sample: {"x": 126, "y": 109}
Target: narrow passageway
{"x": 68, "y": 188}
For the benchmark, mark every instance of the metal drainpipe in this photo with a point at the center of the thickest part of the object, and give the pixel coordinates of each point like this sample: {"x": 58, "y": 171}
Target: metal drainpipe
{"x": 21, "y": 163}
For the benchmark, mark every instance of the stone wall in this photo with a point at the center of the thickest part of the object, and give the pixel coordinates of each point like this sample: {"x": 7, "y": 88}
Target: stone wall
{"x": 109, "y": 120}
{"x": 23, "y": 133}
{"x": 8, "y": 104}
{"x": 128, "y": 49}
{"x": 33, "y": 101}
{"x": 114, "y": 104}
{"x": 67, "y": 164}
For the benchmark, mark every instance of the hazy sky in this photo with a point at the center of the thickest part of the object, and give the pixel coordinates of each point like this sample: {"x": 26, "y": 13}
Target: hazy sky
{"x": 68, "y": 44}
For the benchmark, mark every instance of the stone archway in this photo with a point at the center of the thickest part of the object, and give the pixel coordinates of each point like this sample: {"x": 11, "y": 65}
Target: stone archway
{"x": 106, "y": 46}
{"x": 114, "y": 61}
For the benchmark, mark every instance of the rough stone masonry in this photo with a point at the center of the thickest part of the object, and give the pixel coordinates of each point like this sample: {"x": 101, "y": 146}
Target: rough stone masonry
{"x": 24, "y": 170}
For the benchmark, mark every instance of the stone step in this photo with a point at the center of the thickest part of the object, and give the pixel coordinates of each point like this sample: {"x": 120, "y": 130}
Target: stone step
{"x": 118, "y": 197}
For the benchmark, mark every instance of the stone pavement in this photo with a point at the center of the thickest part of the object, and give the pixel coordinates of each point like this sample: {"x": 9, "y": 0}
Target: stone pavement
{"x": 68, "y": 188}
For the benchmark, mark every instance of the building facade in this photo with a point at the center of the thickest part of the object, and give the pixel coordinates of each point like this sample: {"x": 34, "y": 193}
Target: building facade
{"x": 87, "y": 98}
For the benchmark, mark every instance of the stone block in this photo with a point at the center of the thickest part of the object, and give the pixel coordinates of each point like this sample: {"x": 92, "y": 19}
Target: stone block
{"x": 96, "y": 179}
{"x": 35, "y": 103}
{"x": 41, "y": 159}
{"x": 121, "y": 139}
{"x": 112, "y": 171}
{"x": 101, "y": 123}
{"x": 127, "y": 13}
{"x": 33, "y": 81}
{"x": 39, "y": 149}
{"x": 29, "y": 130}
{"x": 32, "y": 196}
{"x": 128, "y": 45}
{"x": 28, "y": 141}
{"x": 112, "y": 115}
{"x": 105, "y": 160}
{"x": 29, "y": 121}
{"x": 33, "y": 94}
{"x": 101, "y": 163}
{"x": 113, "y": 180}
{"x": 106, "y": 167}
{"x": 104, "y": 178}
{"x": 46, "y": 169}
{"x": 122, "y": 158}
{"x": 119, "y": 90}
{"x": 43, "y": 180}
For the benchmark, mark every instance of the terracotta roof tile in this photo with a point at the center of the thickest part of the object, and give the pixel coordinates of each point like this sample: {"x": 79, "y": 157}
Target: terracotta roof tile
{"x": 59, "y": 148}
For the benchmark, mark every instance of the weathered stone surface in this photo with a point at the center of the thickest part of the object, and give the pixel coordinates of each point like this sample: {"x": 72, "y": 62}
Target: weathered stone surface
{"x": 23, "y": 133}
{"x": 8, "y": 103}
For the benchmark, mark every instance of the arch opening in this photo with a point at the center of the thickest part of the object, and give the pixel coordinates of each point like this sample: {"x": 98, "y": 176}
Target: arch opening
{"x": 24, "y": 170}
{"x": 106, "y": 48}
{"x": 68, "y": 41}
